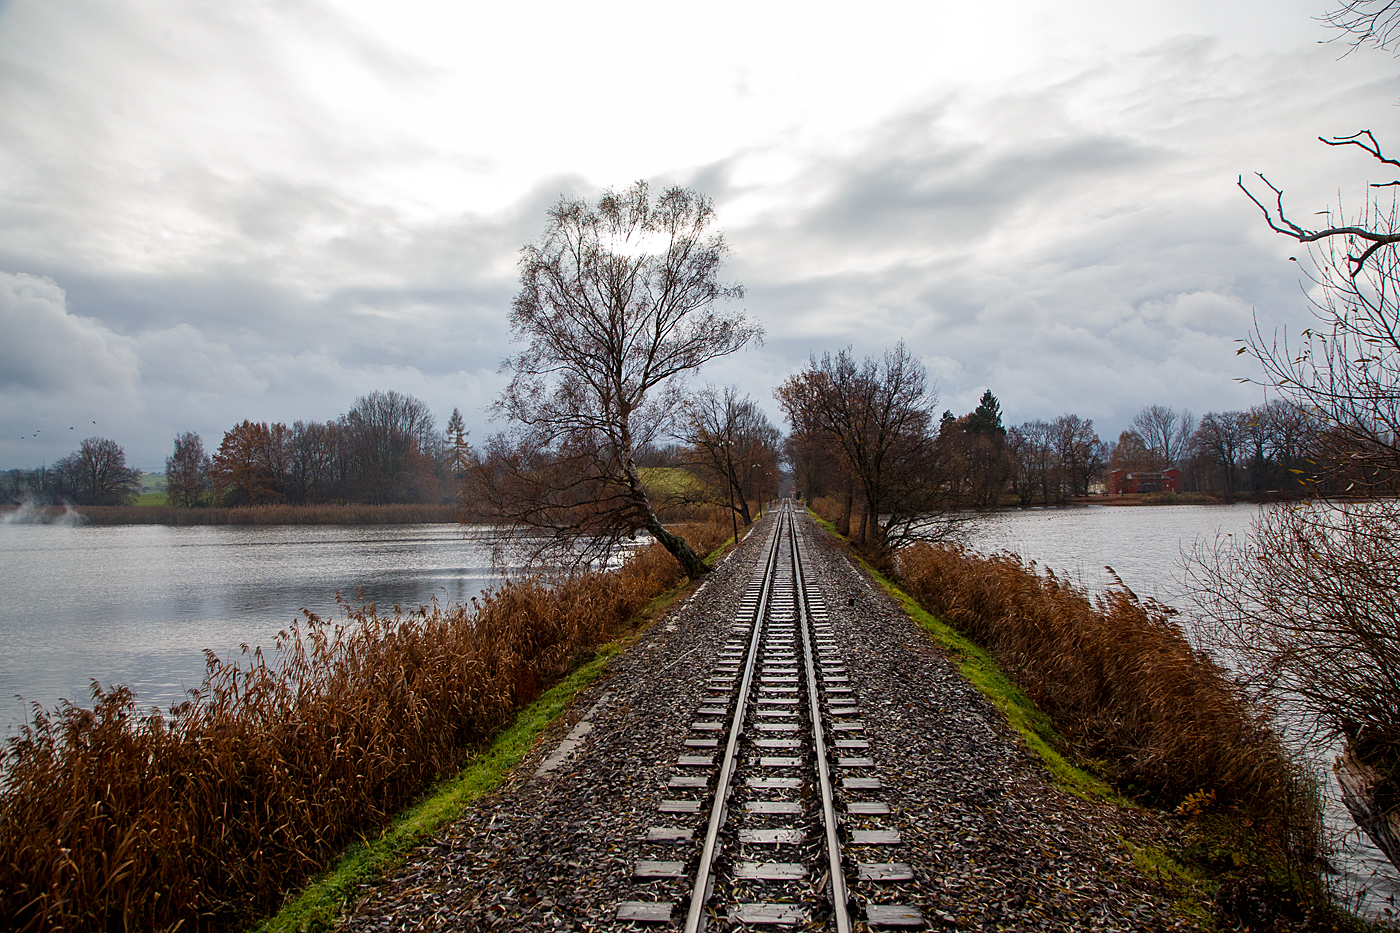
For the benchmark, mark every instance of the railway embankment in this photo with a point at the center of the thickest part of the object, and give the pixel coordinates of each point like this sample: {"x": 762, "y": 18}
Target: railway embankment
{"x": 992, "y": 838}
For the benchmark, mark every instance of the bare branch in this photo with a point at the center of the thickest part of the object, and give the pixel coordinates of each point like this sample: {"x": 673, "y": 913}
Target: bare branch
{"x": 1367, "y": 143}
{"x": 1367, "y": 22}
{"x": 617, "y": 306}
{"x": 1355, "y": 262}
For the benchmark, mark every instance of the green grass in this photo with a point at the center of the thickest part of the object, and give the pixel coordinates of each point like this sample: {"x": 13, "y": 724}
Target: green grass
{"x": 150, "y": 498}
{"x": 1191, "y": 890}
{"x": 319, "y": 905}
{"x": 671, "y": 482}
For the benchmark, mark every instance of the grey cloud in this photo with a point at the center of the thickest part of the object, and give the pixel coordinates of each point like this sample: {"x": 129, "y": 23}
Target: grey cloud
{"x": 48, "y": 350}
{"x": 274, "y": 333}
{"x": 1095, "y": 271}
{"x": 1069, "y": 262}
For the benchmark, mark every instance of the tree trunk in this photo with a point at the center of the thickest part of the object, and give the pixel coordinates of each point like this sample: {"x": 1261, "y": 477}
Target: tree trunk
{"x": 694, "y": 567}
{"x": 844, "y": 529}
{"x": 1363, "y": 792}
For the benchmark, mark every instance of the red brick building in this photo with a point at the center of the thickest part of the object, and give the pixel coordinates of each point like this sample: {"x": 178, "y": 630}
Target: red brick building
{"x": 1121, "y": 482}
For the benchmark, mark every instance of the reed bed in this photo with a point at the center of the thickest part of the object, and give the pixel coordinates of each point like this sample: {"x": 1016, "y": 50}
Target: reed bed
{"x": 1125, "y": 688}
{"x": 203, "y": 817}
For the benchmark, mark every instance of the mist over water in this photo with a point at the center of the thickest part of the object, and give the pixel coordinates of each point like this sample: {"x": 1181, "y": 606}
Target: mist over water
{"x": 30, "y": 514}
{"x": 1146, "y": 547}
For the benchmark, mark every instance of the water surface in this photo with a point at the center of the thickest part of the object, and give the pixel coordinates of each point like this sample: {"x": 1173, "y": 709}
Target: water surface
{"x": 139, "y": 604}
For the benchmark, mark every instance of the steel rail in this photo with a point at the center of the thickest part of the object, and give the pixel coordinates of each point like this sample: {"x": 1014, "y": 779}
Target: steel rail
{"x": 700, "y": 893}
{"x": 839, "y": 909}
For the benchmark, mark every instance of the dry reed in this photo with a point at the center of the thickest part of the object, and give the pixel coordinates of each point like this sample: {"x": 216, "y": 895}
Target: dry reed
{"x": 1125, "y": 687}
{"x": 205, "y": 816}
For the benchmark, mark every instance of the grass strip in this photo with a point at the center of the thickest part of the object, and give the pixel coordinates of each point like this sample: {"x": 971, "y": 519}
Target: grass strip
{"x": 318, "y": 906}
{"x": 980, "y": 669}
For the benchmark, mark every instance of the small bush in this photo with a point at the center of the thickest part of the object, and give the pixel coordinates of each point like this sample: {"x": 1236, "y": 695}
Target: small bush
{"x": 1177, "y": 498}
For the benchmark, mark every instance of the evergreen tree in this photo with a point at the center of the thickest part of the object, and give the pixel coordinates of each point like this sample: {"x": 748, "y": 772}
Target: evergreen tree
{"x": 986, "y": 418}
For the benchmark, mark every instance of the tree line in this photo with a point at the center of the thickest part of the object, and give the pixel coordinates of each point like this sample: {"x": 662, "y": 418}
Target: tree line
{"x": 94, "y": 474}
{"x": 862, "y": 431}
{"x": 385, "y": 449}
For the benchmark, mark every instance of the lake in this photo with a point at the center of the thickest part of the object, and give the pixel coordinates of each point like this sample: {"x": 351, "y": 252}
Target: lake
{"x": 1143, "y": 544}
{"x": 139, "y": 604}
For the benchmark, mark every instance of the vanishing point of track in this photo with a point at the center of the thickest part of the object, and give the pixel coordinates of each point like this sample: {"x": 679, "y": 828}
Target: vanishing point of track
{"x": 776, "y": 807}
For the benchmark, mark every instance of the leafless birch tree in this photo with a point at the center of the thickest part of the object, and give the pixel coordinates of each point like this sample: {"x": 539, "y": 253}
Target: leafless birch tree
{"x": 619, "y": 301}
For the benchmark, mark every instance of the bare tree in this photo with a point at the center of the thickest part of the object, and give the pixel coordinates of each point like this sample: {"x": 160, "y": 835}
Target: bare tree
{"x": 1034, "y": 465}
{"x": 97, "y": 474}
{"x": 1305, "y": 609}
{"x": 1308, "y": 604}
{"x": 1367, "y": 22}
{"x": 311, "y": 461}
{"x": 1082, "y": 455}
{"x": 1131, "y": 453}
{"x": 732, "y": 443}
{"x": 819, "y": 465}
{"x": 394, "y": 441}
{"x": 618, "y": 304}
{"x": 1166, "y": 433}
{"x": 1222, "y": 440}
{"x": 187, "y": 472}
{"x": 879, "y": 413}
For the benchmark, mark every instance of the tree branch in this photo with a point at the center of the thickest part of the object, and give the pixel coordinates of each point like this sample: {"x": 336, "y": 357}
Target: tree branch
{"x": 1304, "y": 235}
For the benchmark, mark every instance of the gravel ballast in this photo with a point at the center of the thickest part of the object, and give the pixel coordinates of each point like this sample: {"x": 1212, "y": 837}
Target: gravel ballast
{"x": 993, "y": 843}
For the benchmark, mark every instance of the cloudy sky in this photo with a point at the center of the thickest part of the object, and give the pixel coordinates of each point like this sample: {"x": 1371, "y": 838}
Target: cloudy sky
{"x": 213, "y": 211}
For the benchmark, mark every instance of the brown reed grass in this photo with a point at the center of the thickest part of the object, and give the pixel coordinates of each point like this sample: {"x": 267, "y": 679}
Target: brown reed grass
{"x": 1125, "y": 688}
{"x": 202, "y": 818}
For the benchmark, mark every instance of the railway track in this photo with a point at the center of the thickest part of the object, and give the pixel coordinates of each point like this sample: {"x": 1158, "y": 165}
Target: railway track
{"x": 775, "y": 816}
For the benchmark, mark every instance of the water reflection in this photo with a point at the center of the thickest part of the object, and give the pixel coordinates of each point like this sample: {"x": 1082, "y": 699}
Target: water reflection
{"x": 1145, "y": 546}
{"x": 140, "y": 604}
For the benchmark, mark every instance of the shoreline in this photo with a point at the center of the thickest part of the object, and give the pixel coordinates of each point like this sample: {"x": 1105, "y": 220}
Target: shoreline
{"x": 174, "y": 516}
